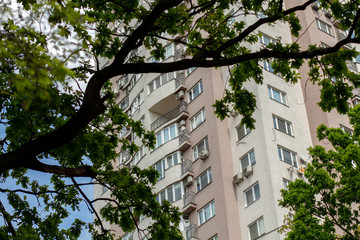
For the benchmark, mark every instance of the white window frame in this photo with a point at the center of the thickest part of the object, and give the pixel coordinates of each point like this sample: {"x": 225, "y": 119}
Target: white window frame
{"x": 198, "y": 119}
{"x": 266, "y": 39}
{"x": 139, "y": 99}
{"x": 139, "y": 155}
{"x": 324, "y": 27}
{"x": 190, "y": 70}
{"x": 346, "y": 130}
{"x": 161, "y": 80}
{"x": 286, "y": 183}
{"x": 165, "y": 194}
{"x": 293, "y": 156}
{"x": 203, "y": 218}
{"x": 199, "y": 184}
{"x": 251, "y": 190}
{"x": 214, "y": 237}
{"x": 288, "y": 126}
{"x": 165, "y": 135}
{"x": 267, "y": 65}
{"x": 196, "y": 148}
{"x": 273, "y": 92}
{"x": 247, "y": 156}
{"x": 260, "y": 231}
{"x": 168, "y": 162}
{"x": 192, "y": 91}
{"x": 242, "y": 129}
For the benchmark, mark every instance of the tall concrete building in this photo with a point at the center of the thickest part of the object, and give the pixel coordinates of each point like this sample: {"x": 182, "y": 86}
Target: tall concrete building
{"x": 226, "y": 179}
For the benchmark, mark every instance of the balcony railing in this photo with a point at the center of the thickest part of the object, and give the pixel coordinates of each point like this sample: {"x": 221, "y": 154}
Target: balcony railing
{"x": 180, "y": 79}
{"x": 189, "y": 197}
{"x": 191, "y": 231}
{"x": 184, "y": 136}
{"x": 182, "y": 107}
{"x": 186, "y": 166}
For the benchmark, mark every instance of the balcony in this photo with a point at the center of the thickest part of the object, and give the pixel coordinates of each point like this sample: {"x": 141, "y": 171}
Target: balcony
{"x": 191, "y": 232}
{"x": 187, "y": 168}
{"x": 180, "y": 82}
{"x": 184, "y": 140}
{"x": 180, "y": 112}
{"x": 189, "y": 202}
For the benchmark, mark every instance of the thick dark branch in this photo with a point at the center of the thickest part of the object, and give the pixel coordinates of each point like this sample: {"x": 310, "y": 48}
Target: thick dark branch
{"x": 355, "y": 23}
{"x": 187, "y": 63}
{"x": 254, "y": 26}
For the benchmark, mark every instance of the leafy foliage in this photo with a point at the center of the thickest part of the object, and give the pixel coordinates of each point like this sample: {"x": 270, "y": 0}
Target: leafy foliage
{"x": 53, "y": 125}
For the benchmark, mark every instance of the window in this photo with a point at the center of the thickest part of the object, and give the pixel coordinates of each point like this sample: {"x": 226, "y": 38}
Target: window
{"x": 139, "y": 155}
{"x": 248, "y": 160}
{"x": 128, "y": 236}
{"x": 104, "y": 188}
{"x": 206, "y": 212}
{"x": 324, "y": 27}
{"x": 124, "y": 104}
{"x": 203, "y": 180}
{"x": 197, "y": 119}
{"x": 169, "y": 51}
{"x": 122, "y": 81}
{"x": 231, "y": 17}
{"x": 257, "y": 229}
{"x": 324, "y": 45}
{"x": 267, "y": 66}
{"x": 265, "y": 39}
{"x": 134, "y": 80}
{"x": 195, "y": 91}
{"x": 172, "y": 193}
{"x": 286, "y": 183}
{"x": 261, "y": 15}
{"x": 347, "y": 130}
{"x": 139, "y": 99}
{"x": 277, "y": 95}
{"x": 252, "y": 194}
{"x": 166, "y": 135}
{"x": 356, "y": 101}
{"x": 282, "y": 125}
{"x": 287, "y": 156}
{"x": 124, "y": 156}
{"x": 214, "y": 237}
{"x": 190, "y": 70}
{"x": 160, "y": 80}
{"x": 203, "y": 144}
{"x": 167, "y": 162}
{"x": 242, "y": 131}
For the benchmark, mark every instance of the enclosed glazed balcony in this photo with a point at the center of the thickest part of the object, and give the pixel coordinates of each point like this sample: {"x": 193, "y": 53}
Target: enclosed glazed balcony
{"x": 184, "y": 140}
{"x": 180, "y": 82}
{"x": 189, "y": 202}
{"x": 178, "y": 113}
{"x": 187, "y": 168}
{"x": 191, "y": 232}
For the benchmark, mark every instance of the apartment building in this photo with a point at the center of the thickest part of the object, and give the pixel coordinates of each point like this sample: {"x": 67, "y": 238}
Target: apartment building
{"x": 226, "y": 179}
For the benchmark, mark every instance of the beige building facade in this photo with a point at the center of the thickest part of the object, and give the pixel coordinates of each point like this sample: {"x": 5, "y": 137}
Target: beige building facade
{"x": 226, "y": 179}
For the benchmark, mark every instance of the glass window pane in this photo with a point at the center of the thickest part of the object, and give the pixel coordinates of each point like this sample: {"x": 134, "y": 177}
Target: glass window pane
{"x": 162, "y": 196}
{"x": 281, "y": 125}
{"x": 159, "y": 140}
{"x": 257, "y": 191}
{"x": 169, "y": 191}
{"x": 252, "y": 158}
{"x": 249, "y": 197}
{"x": 201, "y": 217}
{"x": 204, "y": 180}
{"x": 287, "y": 156}
{"x": 261, "y": 226}
{"x": 169, "y": 161}
{"x": 175, "y": 158}
{"x": 172, "y": 132}
{"x": 166, "y": 135}
{"x": 210, "y": 175}
{"x": 178, "y": 193}
{"x": 213, "y": 208}
{"x": 276, "y": 95}
{"x": 253, "y": 231}
{"x": 207, "y": 212}
{"x": 198, "y": 185}
{"x": 244, "y": 162}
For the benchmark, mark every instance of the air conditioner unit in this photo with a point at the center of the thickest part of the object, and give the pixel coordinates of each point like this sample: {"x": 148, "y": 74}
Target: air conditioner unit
{"x": 188, "y": 181}
{"x": 238, "y": 178}
{"x": 180, "y": 95}
{"x": 204, "y": 154}
{"x": 182, "y": 123}
{"x": 248, "y": 171}
{"x": 328, "y": 14}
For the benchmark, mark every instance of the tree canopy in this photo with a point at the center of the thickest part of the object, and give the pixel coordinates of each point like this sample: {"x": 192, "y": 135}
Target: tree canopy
{"x": 54, "y": 127}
